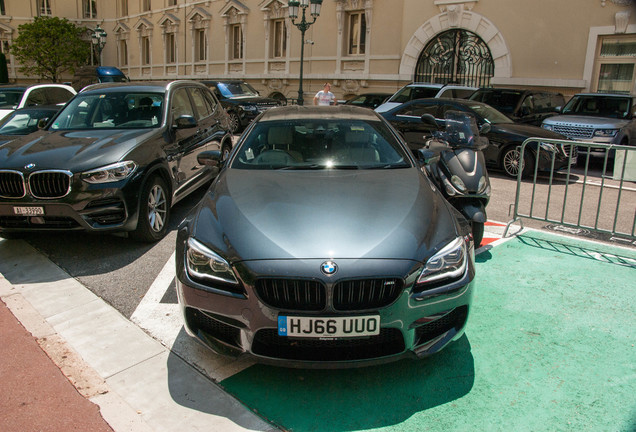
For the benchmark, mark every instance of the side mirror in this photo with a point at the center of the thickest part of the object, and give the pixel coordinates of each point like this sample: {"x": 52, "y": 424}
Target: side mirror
{"x": 43, "y": 122}
{"x": 426, "y": 156}
{"x": 429, "y": 120}
{"x": 185, "y": 122}
{"x": 485, "y": 128}
{"x": 211, "y": 158}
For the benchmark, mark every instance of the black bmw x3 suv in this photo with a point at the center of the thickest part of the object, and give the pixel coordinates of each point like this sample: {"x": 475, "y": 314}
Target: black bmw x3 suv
{"x": 115, "y": 158}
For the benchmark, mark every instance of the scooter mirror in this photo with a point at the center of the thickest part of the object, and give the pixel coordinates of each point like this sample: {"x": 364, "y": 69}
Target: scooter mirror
{"x": 429, "y": 120}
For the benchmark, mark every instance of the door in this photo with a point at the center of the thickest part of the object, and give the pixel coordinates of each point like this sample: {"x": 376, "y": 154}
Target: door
{"x": 456, "y": 56}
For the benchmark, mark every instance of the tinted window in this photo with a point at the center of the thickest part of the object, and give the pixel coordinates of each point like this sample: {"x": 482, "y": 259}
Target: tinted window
{"x": 236, "y": 89}
{"x": 409, "y": 93}
{"x": 601, "y": 106}
{"x": 9, "y": 99}
{"x": 201, "y": 104}
{"x": 417, "y": 110}
{"x": 181, "y": 104}
{"x": 320, "y": 144}
{"x": 57, "y": 95}
{"x": 504, "y": 101}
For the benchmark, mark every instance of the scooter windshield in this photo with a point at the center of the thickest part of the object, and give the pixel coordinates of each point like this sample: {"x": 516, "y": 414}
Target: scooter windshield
{"x": 461, "y": 129}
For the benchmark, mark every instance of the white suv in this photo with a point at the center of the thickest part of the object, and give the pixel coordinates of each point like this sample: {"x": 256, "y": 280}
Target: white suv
{"x": 426, "y": 90}
{"x": 17, "y": 96}
{"x": 597, "y": 118}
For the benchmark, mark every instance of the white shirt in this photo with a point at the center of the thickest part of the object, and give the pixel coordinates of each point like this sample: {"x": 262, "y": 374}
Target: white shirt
{"x": 325, "y": 98}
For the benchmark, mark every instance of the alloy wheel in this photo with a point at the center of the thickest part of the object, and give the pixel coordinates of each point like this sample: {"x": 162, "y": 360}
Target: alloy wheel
{"x": 157, "y": 208}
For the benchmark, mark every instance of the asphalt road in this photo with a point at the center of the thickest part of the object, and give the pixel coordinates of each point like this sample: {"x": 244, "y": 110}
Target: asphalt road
{"x": 121, "y": 271}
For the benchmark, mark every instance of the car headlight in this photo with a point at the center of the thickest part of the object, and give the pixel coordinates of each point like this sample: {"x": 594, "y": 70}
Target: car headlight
{"x": 547, "y": 147}
{"x": 605, "y": 133}
{"x": 110, "y": 173}
{"x": 547, "y": 127}
{"x": 204, "y": 264}
{"x": 449, "y": 263}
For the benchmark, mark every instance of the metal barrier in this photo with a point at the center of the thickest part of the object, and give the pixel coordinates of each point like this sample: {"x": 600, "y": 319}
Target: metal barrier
{"x": 570, "y": 197}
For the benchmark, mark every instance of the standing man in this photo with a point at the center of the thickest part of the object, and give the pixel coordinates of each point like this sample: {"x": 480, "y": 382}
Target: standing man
{"x": 324, "y": 96}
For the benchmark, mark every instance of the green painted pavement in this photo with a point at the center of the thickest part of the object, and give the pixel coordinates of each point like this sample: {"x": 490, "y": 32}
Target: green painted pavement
{"x": 549, "y": 347}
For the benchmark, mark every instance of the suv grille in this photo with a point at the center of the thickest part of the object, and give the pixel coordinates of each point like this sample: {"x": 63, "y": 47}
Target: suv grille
{"x": 11, "y": 184}
{"x": 50, "y": 184}
{"x": 574, "y": 132}
{"x": 366, "y": 294}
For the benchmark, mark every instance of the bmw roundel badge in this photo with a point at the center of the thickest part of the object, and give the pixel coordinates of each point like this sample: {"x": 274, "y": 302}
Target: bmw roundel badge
{"x": 328, "y": 267}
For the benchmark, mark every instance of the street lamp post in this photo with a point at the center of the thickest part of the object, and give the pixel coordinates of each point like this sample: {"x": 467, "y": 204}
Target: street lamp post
{"x": 99, "y": 40}
{"x": 303, "y": 26}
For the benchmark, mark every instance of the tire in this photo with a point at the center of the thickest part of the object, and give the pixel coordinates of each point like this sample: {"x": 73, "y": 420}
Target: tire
{"x": 478, "y": 233}
{"x": 225, "y": 151}
{"x": 510, "y": 163}
{"x": 154, "y": 211}
{"x": 235, "y": 122}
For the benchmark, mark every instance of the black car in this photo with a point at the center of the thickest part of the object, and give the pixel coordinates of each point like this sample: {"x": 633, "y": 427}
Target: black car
{"x": 115, "y": 158}
{"x": 275, "y": 262}
{"x": 24, "y": 121}
{"x": 368, "y": 100}
{"x": 522, "y": 106}
{"x": 241, "y": 101}
{"x": 505, "y": 136}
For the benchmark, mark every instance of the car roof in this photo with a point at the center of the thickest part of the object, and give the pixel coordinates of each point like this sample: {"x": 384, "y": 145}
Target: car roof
{"x": 28, "y": 86}
{"x": 340, "y": 112}
{"x": 606, "y": 95}
{"x": 152, "y": 86}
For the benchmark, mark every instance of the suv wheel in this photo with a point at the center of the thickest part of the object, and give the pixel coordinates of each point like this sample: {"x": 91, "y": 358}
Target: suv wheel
{"x": 235, "y": 122}
{"x": 154, "y": 211}
{"x": 511, "y": 163}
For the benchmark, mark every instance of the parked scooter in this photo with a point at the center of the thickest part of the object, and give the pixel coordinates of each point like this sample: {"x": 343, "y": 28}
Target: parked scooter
{"x": 455, "y": 161}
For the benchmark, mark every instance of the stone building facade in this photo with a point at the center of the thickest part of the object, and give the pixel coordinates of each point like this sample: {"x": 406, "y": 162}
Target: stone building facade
{"x": 358, "y": 45}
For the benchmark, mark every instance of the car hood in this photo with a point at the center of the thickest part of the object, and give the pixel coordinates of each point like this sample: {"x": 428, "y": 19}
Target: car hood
{"x": 385, "y": 214}
{"x": 587, "y": 121}
{"x": 70, "y": 150}
{"x": 525, "y": 130}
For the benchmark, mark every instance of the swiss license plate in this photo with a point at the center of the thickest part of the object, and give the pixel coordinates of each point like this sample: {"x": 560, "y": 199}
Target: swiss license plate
{"x": 329, "y": 327}
{"x": 29, "y": 211}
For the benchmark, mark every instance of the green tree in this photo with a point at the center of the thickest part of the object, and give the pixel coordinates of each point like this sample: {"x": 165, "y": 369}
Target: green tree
{"x": 50, "y": 46}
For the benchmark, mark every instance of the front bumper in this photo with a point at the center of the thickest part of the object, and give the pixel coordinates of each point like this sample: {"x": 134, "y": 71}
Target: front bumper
{"x": 245, "y": 322}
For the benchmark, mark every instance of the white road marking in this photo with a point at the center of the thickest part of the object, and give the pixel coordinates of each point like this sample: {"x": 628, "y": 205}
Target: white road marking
{"x": 164, "y": 323}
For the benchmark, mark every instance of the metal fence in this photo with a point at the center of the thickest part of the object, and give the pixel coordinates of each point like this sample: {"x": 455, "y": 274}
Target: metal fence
{"x": 597, "y": 194}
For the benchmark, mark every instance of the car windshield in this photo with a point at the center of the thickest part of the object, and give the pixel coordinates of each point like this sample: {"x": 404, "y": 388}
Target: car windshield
{"x": 9, "y": 99}
{"x": 488, "y": 113}
{"x": 410, "y": 93}
{"x": 238, "y": 89}
{"x": 505, "y": 101}
{"x": 23, "y": 122}
{"x": 113, "y": 78}
{"x": 308, "y": 144}
{"x": 111, "y": 110}
{"x": 599, "y": 106}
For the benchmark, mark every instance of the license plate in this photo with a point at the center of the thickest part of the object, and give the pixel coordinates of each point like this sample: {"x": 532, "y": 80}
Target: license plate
{"x": 29, "y": 211}
{"x": 329, "y": 327}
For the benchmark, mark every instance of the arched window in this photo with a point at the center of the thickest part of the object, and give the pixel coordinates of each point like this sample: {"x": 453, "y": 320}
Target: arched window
{"x": 456, "y": 56}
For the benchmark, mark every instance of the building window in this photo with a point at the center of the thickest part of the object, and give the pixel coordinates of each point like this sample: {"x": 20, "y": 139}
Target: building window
{"x": 123, "y": 53}
{"x": 171, "y": 48}
{"x": 145, "y": 5}
{"x": 357, "y": 33}
{"x": 123, "y": 8}
{"x": 89, "y": 8}
{"x": 616, "y": 64}
{"x": 172, "y": 2}
{"x": 2, "y": 9}
{"x": 236, "y": 42}
{"x": 279, "y": 39}
{"x": 145, "y": 50}
{"x": 200, "y": 45}
{"x": 44, "y": 7}
{"x": 4, "y": 47}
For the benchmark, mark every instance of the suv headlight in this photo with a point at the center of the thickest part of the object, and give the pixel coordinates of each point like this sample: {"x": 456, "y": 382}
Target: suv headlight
{"x": 110, "y": 173}
{"x": 549, "y": 147}
{"x": 605, "y": 133}
{"x": 203, "y": 264}
{"x": 448, "y": 263}
{"x": 547, "y": 127}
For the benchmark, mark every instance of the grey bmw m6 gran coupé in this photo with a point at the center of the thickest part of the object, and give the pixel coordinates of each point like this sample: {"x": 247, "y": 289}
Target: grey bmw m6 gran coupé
{"x": 322, "y": 243}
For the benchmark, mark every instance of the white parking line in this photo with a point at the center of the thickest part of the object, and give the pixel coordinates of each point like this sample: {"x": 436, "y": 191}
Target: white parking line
{"x": 164, "y": 323}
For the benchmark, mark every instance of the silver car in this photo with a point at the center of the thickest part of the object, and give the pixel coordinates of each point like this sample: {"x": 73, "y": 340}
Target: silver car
{"x": 322, "y": 243}
{"x": 597, "y": 118}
